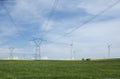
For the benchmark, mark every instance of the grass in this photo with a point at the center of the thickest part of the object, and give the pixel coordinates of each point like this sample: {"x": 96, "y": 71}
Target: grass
{"x": 23, "y": 69}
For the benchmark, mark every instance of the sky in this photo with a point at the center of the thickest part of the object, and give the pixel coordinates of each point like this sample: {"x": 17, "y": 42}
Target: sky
{"x": 61, "y": 23}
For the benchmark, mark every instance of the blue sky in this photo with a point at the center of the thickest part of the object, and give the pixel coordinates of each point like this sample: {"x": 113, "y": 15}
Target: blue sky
{"x": 31, "y": 19}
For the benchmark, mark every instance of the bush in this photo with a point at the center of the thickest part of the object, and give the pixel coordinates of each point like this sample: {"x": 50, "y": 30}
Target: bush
{"x": 83, "y": 59}
{"x": 88, "y": 59}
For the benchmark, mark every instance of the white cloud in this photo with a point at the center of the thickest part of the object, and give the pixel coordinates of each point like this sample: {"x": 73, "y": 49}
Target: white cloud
{"x": 44, "y": 58}
{"x": 7, "y": 29}
{"x": 97, "y": 7}
{"x": 32, "y": 10}
{"x": 47, "y": 25}
{"x": 89, "y": 41}
{"x": 94, "y": 7}
{"x": 101, "y": 30}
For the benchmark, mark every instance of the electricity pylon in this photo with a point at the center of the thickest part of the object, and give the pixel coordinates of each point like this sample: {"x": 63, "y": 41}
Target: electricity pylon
{"x": 109, "y": 49}
{"x": 38, "y": 42}
{"x": 71, "y": 50}
{"x": 11, "y": 49}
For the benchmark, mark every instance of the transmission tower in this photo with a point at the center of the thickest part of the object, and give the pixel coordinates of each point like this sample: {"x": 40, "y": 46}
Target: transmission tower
{"x": 109, "y": 49}
{"x": 71, "y": 50}
{"x": 11, "y": 49}
{"x": 38, "y": 42}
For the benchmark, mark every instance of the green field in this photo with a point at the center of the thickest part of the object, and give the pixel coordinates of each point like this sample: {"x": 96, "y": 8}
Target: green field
{"x": 28, "y": 69}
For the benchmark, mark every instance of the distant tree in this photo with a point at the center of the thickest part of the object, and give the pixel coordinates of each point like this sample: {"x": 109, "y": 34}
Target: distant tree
{"x": 88, "y": 59}
{"x": 83, "y": 59}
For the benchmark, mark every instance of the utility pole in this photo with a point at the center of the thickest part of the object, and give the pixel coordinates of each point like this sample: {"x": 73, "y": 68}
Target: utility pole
{"x": 11, "y": 49}
{"x": 38, "y": 42}
{"x": 109, "y": 49}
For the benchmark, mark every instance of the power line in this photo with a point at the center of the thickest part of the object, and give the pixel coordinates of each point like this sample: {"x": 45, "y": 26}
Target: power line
{"x": 9, "y": 15}
{"x": 89, "y": 20}
{"x": 14, "y": 23}
{"x": 11, "y": 18}
{"x": 51, "y": 13}
{"x": 37, "y": 41}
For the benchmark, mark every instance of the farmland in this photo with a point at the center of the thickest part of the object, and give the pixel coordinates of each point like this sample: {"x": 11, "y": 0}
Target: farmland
{"x": 59, "y": 69}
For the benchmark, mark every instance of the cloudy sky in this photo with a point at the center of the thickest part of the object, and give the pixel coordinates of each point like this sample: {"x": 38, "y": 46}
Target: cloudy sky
{"x": 91, "y": 25}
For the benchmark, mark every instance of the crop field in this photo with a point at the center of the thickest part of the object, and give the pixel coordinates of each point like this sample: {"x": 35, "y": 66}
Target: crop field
{"x": 59, "y": 69}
